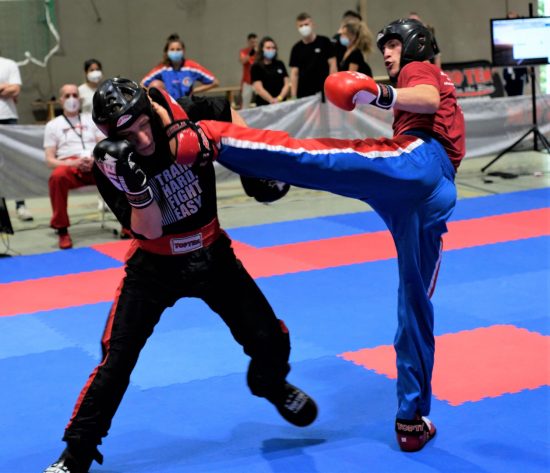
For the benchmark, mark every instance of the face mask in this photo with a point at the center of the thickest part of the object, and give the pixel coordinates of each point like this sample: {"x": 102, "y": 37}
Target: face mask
{"x": 175, "y": 56}
{"x": 305, "y": 30}
{"x": 94, "y": 76}
{"x": 71, "y": 105}
{"x": 270, "y": 53}
{"x": 344, "y": 41}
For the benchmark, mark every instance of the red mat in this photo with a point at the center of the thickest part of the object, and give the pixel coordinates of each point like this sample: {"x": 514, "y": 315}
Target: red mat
{"x": 475, "y": 364}
{"x": 99, "y": 286}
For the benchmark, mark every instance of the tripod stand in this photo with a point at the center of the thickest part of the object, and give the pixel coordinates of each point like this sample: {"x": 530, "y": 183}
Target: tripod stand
{"x": 537, "y": 135}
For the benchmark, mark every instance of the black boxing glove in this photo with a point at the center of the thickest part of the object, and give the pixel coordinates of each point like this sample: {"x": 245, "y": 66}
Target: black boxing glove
{"x": 264, "y": 190}
{"x": 114, "y": 159}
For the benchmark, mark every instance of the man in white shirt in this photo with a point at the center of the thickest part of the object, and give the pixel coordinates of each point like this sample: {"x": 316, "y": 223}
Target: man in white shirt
{"x": 10, "y": 87}
{"x": 69, "y": 140}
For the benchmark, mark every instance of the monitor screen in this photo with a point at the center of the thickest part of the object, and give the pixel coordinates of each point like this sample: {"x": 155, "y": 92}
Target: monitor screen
{"x": 520, "y": 41}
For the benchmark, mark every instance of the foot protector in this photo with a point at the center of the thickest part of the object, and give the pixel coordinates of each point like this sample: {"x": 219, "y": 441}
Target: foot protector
{"x": 70, "y": 463}
{"x": 294, "y": 405}
{"x": 412, "y": 435}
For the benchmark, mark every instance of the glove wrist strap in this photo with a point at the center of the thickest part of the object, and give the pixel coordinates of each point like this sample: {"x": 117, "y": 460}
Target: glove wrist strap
{"x": 386, "y": 97}
{"x": 175, "y": 127}
{"x": 141, "y": 199}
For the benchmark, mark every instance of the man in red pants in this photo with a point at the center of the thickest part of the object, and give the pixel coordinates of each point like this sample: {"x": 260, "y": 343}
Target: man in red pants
{"x": 69, "y": 140}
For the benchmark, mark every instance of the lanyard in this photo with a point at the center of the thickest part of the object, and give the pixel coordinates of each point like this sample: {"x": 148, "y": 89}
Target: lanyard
{"x": 74, "y": 129}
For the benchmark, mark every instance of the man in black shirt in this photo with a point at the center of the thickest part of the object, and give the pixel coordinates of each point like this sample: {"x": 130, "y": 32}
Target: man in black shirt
{"x": 312, "y": 59}
{"x": 179, "y": 251}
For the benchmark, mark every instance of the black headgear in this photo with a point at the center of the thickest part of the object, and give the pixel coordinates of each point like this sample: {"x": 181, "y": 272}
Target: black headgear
{"x": 117, "y": 103}
{"x": 418, "y": 43}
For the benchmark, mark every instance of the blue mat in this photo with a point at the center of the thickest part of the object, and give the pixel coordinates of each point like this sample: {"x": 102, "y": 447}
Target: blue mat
{"x": 366, "y": 222}
{"x": 188, "y": 408}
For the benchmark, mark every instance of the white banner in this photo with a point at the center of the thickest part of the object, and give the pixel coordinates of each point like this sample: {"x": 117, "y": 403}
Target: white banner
{"x": 491, "y": 126}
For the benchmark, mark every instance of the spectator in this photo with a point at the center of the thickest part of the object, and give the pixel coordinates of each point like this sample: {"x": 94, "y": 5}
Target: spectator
{"x": 94, "y": 74}
{"x": 69, "y": 140}
{"x": 10, "y": 87}
{"x": 269, "y": 76}
{"x": 312, "y": 59}
{"x": 515, "y": 78}
{"x": 356, "y": 37}
{"x": 437, "y": 57}
{"x": 347, "y": 17}
{"x": 176, "y": 74}
{"x": 246, "y": 57}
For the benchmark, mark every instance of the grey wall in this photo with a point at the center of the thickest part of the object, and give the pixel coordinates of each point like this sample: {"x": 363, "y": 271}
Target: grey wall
{"x": 130, "y": 36}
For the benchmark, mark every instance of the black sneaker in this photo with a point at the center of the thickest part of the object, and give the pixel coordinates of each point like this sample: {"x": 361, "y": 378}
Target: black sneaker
{"x": 294, "y": 405}
{"x": 69, "y": 463}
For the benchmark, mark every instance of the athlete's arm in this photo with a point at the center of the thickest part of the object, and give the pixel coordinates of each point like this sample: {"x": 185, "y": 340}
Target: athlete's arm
{"x": 147, "y": 221}
{"x": 346, "y": 89}
{"x": 421, "y": 98}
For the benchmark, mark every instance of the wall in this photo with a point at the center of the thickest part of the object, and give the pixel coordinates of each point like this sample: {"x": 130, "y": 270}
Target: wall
{"x": 130, "y": 36}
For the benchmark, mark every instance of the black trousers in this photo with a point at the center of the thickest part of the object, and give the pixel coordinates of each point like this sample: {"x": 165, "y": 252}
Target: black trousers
{"x": 153, "y": 283}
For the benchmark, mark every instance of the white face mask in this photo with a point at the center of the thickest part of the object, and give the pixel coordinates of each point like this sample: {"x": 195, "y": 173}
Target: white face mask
{"x": 305, "y": 30}
{"x": 94, "y": 76}
{"x": 71, "y": 105}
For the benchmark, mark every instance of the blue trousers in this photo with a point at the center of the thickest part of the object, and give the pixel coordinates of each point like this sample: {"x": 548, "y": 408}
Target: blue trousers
{"x": 409, "y": 182}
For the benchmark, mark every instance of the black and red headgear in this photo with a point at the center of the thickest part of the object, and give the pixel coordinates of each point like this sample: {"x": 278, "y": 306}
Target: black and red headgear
{"x": 117, "y": 103}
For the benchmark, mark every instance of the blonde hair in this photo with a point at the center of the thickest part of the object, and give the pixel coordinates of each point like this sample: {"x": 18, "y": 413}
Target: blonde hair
{"x": 364, "y": 40}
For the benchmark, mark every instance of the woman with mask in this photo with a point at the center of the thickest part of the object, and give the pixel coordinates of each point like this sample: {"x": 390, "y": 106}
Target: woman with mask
{"x": 94, "y": 74}
{"x": 269, "y": 77}
{"x": 356, "y": 37}
{"x": 176, "y": 74}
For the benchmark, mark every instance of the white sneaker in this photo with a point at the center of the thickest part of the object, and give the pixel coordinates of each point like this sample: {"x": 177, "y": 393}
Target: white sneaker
{"x": 23, "y": 214}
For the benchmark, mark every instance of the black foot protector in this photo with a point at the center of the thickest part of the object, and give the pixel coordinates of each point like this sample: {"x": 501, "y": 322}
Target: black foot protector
{"x": 70, "y": 462}
{"x": 294, "y": 405}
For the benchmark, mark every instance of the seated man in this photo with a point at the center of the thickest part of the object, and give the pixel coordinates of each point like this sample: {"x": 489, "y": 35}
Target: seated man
{"x": 69, "y": 140}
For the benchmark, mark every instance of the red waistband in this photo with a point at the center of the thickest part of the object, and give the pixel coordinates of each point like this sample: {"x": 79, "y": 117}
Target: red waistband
{"x": 181, "y": 243}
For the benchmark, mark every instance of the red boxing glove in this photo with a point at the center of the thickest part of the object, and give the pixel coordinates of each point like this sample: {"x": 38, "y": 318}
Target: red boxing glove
{"x": 191, "y": 142}
{"x": 345, "y": 89}
{"x": 174, "y": 109}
